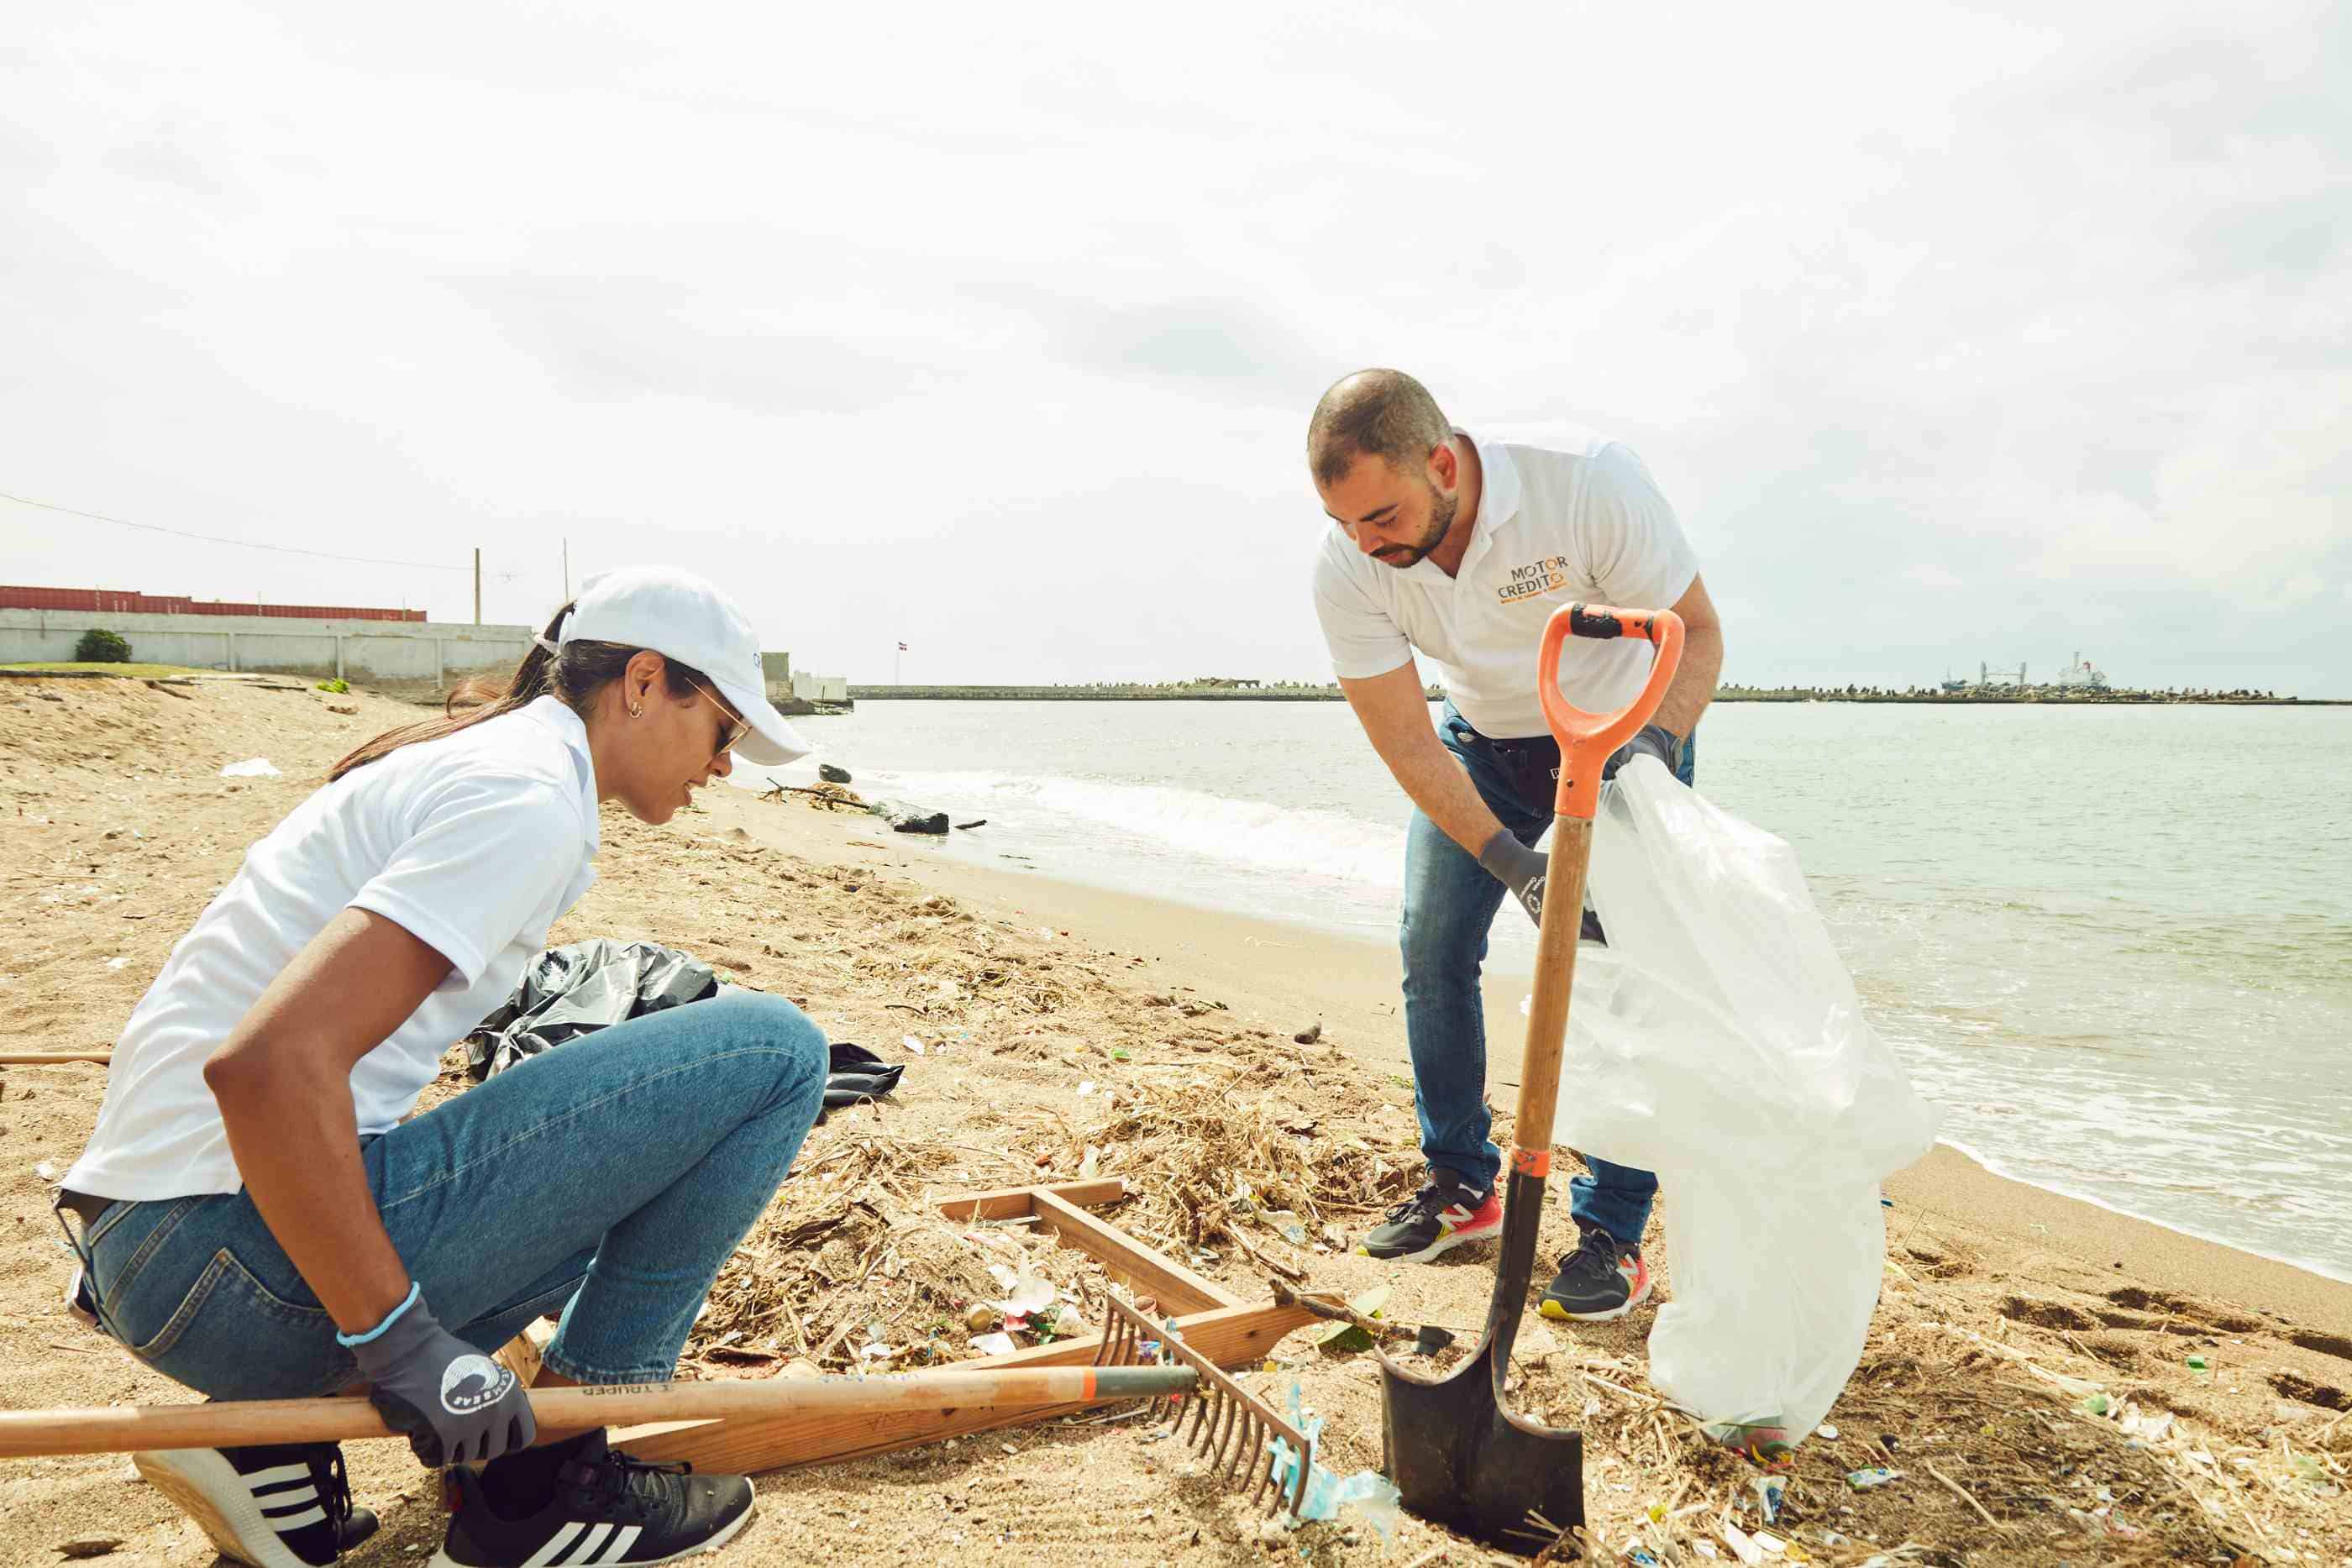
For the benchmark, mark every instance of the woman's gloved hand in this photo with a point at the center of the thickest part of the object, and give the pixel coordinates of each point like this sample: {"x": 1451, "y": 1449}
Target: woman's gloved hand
{"x": 456, "y": 1405}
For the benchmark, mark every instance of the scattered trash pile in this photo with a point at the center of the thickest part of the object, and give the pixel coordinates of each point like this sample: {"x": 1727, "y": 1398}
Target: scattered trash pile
{"x": 852, "y": 1267}
{"x": 824, "y": 796}
{"x": 830, "y": 792}
{"x": 1228, "y": 1162}
{"x": 1944, "y": 1432}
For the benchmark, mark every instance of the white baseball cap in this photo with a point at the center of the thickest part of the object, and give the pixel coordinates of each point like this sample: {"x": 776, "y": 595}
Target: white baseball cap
{"x": 684, "y": 617}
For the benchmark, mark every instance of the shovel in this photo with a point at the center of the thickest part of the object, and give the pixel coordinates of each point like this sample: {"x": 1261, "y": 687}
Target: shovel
{"x": 1458, "y": 1454}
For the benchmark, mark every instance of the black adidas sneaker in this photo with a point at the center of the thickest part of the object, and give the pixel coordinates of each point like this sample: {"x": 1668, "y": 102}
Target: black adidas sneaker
{"x": 285, "y": 1505}
{"x": 584, "y": 1504}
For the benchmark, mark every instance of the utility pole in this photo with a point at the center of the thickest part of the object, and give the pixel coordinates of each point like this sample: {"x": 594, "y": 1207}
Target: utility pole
{"x": 477, "y": 585}
{"x": 567, "y": 571}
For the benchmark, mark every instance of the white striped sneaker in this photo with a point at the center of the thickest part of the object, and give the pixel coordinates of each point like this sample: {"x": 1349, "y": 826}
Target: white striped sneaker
{"x": 285, "y": 1505}
{"x": 584, "y": 1504}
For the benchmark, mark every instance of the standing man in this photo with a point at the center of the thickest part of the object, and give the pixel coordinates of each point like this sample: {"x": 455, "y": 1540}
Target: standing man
{"x": 1461, "y": 549}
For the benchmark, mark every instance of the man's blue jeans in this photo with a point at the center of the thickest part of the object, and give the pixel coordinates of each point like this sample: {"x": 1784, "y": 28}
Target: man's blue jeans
{"x": 607, "y": 1179}
{"x": 1450, "y": 902}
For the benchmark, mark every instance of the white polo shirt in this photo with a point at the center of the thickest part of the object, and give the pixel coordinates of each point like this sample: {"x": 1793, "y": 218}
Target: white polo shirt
{"x": 475, "y": 843}
{"x": 1556, "y": 525}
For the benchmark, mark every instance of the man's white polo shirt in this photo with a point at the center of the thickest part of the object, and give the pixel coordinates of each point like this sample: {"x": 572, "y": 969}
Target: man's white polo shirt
{"x": 1556, "y": 525}
{"x": 475, "y": 843}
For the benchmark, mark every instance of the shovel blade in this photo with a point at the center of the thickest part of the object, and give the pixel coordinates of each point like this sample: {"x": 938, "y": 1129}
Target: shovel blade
{"x": 1460, "y": 1458}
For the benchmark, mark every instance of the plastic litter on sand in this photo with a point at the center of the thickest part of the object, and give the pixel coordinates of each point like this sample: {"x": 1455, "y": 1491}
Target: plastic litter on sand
{"x": 1368, "y": 1490}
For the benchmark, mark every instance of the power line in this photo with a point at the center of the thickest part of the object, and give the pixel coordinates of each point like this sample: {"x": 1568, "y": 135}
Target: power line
{"x": 215, "y": 539}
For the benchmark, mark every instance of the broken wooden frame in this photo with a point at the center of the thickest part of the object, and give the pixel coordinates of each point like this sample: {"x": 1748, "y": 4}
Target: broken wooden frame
{"x": 1214, "y": 1323}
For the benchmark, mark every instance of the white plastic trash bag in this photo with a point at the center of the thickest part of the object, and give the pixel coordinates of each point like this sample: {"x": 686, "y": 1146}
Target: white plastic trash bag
{"x": 1717, "y": 1041}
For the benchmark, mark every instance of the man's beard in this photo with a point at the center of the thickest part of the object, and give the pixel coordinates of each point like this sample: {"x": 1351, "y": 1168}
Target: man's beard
{"x": 1441, "y": 508}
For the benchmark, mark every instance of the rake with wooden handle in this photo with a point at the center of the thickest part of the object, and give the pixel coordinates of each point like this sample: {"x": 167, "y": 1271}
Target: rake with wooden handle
{"x": 1233, "y": 1427}
{"x": 28, "y": 1434}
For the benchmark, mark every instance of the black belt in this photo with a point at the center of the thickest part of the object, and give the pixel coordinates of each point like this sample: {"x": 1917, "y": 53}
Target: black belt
{"x": 84, "y": 1208}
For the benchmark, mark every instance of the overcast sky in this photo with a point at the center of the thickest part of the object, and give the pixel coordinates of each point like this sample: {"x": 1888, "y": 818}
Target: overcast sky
{"x": 1954, "y": 334}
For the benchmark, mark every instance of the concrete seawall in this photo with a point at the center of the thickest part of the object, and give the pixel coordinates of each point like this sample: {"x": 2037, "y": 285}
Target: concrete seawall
{"x": 379, "y": 652}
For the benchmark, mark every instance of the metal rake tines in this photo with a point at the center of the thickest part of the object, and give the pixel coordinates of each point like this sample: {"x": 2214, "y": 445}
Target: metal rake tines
{"x": 1220, "y": 1419}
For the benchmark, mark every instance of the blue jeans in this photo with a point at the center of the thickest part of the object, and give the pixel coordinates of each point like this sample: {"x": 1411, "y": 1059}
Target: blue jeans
{"x": 608, "y": 1180}
{"x": 1450, "y": 902}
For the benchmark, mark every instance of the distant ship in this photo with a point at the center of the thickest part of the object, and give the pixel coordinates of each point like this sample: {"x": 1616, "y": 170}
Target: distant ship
{"x": 2080, "y": 675}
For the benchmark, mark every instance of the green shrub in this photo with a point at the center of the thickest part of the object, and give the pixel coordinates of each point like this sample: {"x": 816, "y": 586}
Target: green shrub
{"x": 338, "y": 686}
{"x": 101, "y": 647}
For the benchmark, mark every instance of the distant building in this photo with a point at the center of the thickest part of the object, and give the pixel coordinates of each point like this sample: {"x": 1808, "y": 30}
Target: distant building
{"x": 127, "y": 601}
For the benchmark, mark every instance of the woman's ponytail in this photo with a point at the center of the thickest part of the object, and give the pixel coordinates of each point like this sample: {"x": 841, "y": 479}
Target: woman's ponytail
{"x": 474, "y": 700}
{"x": 573, "y": 671}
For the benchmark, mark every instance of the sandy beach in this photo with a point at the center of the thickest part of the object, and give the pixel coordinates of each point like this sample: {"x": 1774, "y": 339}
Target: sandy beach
{"x": 1069, "y": 1030}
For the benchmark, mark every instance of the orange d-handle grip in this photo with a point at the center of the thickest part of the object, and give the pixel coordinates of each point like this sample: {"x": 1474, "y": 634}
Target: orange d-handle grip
{"x": 1587, "y": 740}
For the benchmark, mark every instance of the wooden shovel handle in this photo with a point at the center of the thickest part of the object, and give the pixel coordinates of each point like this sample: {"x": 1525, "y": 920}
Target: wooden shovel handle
{"x": 24, "y": 1434}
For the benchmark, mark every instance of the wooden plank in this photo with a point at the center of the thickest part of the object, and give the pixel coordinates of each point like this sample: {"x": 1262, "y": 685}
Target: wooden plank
{"x": 1230, "y": 1336}
{"x": 1013, "y": 1202}
{"x": 1176, "y": 1288}
{"x": 520, "y": 1356}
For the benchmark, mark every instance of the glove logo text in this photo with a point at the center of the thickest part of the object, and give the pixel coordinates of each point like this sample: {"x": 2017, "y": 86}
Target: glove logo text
{"x": 474, "y": 1383}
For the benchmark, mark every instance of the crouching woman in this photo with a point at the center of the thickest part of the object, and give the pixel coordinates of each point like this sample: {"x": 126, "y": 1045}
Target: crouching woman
{"x": 256, "y": 1219}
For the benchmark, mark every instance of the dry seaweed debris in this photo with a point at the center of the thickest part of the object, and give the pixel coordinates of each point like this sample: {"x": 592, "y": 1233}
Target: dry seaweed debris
{"x": 1994, "y": 1449}
{"x": 1201, "y": 1158}
{"x": 852, "y": 1266}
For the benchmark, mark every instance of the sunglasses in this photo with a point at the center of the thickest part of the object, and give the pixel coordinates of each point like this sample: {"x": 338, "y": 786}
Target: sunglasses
{"x": 736, "y": 728}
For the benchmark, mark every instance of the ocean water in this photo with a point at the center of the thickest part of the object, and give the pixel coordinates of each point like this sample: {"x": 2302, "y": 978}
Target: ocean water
{"x": 2114, "y": 944}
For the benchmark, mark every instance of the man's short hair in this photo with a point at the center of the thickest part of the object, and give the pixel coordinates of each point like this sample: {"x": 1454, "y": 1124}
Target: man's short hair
{"x": 1384, "y": 413}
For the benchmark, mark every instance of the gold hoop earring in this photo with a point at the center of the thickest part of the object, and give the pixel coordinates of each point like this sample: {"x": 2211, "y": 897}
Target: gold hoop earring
{"x": 635, "y": 712}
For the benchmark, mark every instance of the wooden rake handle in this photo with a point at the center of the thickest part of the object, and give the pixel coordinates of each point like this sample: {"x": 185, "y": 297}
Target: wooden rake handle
{"x": 27, "y": 1434}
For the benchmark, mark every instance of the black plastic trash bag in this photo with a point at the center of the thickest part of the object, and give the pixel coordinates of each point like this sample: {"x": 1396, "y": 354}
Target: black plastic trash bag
{"x": 855, "y": 1074}
{"x": 580, "y": 987}
{"x": 583, "y": 987}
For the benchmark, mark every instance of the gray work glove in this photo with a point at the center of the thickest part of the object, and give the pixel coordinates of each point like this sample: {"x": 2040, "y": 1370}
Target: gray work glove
{"x": 1518, "y": 868}
{"x": 1655, "y": 740}
{"x": 457, "y": 1404}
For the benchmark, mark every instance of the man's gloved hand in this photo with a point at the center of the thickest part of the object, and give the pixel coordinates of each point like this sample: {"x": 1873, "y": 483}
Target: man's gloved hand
{"x": 457, "y": 1404}
{"x": 1518, "y": 868}
{"x": 1655, "y": 740}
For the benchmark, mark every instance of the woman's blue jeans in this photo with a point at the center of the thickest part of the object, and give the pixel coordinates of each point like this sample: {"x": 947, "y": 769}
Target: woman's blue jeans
{"x": 1450, "y": 902}
{"x": 607, "y": 1179}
